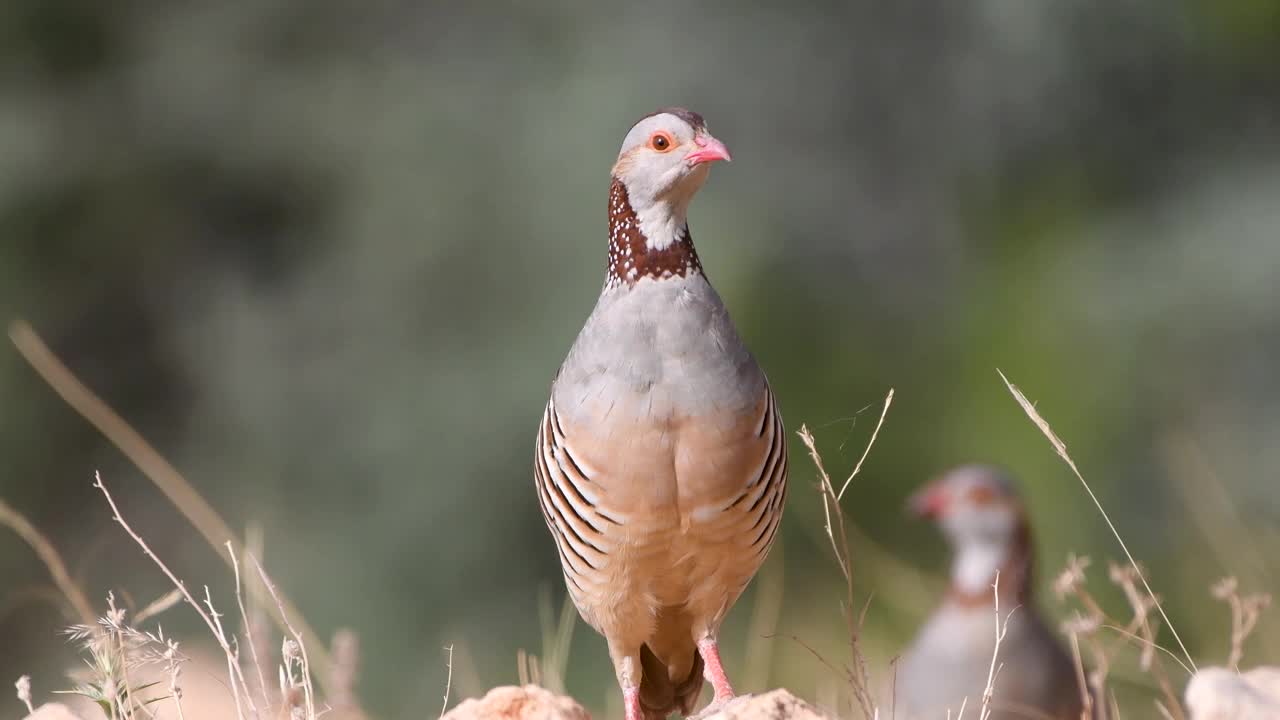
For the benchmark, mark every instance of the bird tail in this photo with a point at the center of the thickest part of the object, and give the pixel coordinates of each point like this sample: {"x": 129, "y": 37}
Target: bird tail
{"x": 660, "y": 694}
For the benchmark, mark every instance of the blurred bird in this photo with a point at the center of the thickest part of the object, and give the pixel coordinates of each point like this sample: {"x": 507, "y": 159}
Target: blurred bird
{"x": 984, "y": 521}
{"x": 661, "y": 460}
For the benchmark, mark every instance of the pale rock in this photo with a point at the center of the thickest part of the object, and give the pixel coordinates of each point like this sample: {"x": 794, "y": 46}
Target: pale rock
{"x": 518, "y": 703}
{"x": 1217, "y": 693}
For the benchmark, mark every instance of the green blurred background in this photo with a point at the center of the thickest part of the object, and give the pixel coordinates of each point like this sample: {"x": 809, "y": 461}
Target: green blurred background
{"x": 327, "y": 256}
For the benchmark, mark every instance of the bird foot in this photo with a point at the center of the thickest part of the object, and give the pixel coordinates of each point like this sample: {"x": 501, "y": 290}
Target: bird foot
{"x": 713, "y": 670}
{"x": 631, "y": 703}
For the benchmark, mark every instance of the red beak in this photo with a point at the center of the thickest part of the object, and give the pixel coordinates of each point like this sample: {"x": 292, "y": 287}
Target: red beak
{"x": 709, "y": 150}
{"x": 929, "y": 502}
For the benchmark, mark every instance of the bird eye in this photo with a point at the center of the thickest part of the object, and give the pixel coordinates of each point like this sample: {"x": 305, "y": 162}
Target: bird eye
{"x": 660, "y": 141}
{"x": 982, "y": 495}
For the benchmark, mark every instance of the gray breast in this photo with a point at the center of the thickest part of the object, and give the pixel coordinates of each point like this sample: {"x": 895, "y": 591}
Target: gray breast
{"x": 659, "y": 349}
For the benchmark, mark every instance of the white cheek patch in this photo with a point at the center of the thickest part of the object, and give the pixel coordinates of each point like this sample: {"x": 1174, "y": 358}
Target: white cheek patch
{"x": 661, "y": 202}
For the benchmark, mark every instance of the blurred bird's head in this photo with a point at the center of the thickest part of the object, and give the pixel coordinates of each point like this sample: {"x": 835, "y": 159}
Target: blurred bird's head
{"x": 982, "y": 517}
{"x": 664, "y": 159}
{"x": 973, "y": 505}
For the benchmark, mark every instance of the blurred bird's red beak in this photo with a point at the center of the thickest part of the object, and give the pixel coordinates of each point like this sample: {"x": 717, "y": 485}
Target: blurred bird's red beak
{"x": 709, "y": 150}
{"x": 929, "y": 502}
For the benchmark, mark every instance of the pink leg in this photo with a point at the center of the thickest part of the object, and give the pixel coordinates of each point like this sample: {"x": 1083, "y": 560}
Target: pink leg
{"x": 713, "y": 670}
{"x": 631, "y": 701}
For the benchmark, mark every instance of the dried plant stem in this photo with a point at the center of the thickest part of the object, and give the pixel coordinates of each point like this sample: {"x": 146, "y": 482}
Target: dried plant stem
{"x": 157, "y": 606}
{"x": 1246, "y": 610}
{"x": 1077, "y": 662}
{"x": 308, "y": 691}
{"x": 828, "y": 493}
{"x": 52, "y": 560}
{"x": 1139, "y": 630}
{"x": 248, "y": 628}
{"x": 235, "y": 675}
{"x": 888, "y": 400}
{"x": 448, "y": 681}
{"x": 152, "y": 464}
{"x": 1061, "y": 450}
{"x": 126, "y": 700}
{"x": 557, "y": 636}
{"x": 1129, "y": 634}
{"x": 1001, "y": 630}
{"x": 174, "y": 690}
{"x": 233, "y": 658}
{"x": 345, "y": 651}
{"x": 1123, "y": 578}
{"x": 858, "y": 676}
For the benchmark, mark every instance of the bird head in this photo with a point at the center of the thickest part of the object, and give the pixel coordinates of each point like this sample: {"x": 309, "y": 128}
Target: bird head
{"x": 664, "y": 160}
{"x": 972, "y": 505}
{"x": 979, "y": 511}
{"x": 982, "y": 516}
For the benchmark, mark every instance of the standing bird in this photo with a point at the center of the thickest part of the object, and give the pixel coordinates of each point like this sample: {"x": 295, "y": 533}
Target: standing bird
{"x": 979, "y": 512}
{"x": 661, "y": 461}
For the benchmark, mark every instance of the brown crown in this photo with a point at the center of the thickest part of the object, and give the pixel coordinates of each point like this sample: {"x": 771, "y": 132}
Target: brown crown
{"x": 694, "y": 119}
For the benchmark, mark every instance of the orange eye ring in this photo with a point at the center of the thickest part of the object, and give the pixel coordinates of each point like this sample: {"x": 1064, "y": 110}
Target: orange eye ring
{"x": 661, "y": 141}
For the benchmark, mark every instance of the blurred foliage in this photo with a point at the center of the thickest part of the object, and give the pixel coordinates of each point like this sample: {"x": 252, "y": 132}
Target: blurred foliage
{"x": 328, "y": 256}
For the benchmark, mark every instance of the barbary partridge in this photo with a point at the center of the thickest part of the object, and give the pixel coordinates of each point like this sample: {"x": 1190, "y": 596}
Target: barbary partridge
{"x": 661, "y": 461}
{"x": 982, "y": 517}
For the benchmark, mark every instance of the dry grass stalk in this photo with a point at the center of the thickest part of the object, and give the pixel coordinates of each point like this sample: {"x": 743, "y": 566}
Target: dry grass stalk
{"x": 294, "y": 650}
{"x": 256, "y": 623}
{"x": 120, "y": 639}
{"x": 888, "y": 400}
{"x": 211, "y": 618}
{"x": 993, "y": 670}
{"x": 1086, "y": 697}
{"x": 1061, "y": 449}
{"x": 157, "y": 606}
{"x": 1245, "y": 613}
{"x": 232, "y": 652}
{"x": 527, "y": 668}
{"x": 115, "y": 649}
{"x": 465, "y": 675}
{"x": 1123, "y": 577}
{"x": 127, "y": 686}
{"x": 857, "y": 674}
{"x": 557, "y": 636}
{"x": 1002, "y": 629}
{"x": 448, "y": 681}
{"x": 1140, "y": 630}
{"x": 150, "y": 462}
{"x": 1068, "y": 582}
{"x": 1142, "y": 605}
{"x": 173, "y": 668}
{"x": 345, "y": 651}
{"x": 52, "y": 560}
{"x": 248, "y": 629}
